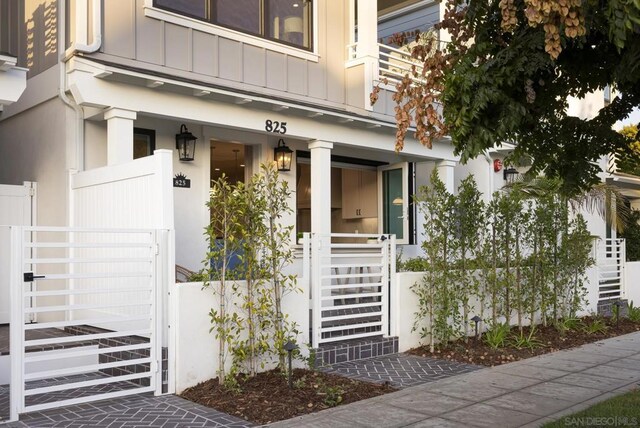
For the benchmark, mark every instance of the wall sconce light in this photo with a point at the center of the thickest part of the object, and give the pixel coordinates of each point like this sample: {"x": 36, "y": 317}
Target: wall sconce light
{"x": 510, "y": 174}
{"x": 283, "y": 155}
{"x": 185, "y": 144}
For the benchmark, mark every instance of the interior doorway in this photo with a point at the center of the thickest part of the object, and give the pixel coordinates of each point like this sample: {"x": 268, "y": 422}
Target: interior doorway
{"x": 230, "y": 159}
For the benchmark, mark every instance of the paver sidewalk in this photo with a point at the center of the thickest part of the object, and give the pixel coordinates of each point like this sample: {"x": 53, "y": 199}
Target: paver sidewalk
{"x": 525, "y": 393}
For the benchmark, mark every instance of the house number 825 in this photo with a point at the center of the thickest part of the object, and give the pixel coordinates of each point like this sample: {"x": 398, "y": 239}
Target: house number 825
{"x": 275, "y": 126}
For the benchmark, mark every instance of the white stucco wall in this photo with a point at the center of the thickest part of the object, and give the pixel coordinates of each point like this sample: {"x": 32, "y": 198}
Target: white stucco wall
{"x": 407, "y": 306}
{"x": 36, "y": 147}
{"x": 197, "y": 349}
{"x": 632, "y": 292}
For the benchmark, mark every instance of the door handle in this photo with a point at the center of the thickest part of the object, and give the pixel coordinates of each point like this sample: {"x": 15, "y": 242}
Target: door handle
{"x": 29, "y": 277}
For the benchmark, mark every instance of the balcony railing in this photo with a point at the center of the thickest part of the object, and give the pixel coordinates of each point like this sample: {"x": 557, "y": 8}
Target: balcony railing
{"x": 392, "y": 66}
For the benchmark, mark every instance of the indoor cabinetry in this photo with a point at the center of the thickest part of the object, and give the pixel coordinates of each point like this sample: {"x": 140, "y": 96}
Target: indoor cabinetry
{"x": 359, "y": 193}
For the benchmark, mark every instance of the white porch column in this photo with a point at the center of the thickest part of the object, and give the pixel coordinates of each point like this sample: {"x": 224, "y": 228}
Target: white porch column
{"x": 367, "y": 51}
{"x": 445, "y": 172}
{"x": 119, "y": 135}
{"x": 367, "y": 28}
{"x": 320, "y": 186}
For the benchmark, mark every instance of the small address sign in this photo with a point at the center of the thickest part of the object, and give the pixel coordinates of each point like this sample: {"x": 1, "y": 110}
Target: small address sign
{"x": 275, "y": 126}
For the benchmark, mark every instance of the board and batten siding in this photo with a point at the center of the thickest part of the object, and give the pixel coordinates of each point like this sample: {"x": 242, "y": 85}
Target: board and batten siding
{"x": 133, "y": 39}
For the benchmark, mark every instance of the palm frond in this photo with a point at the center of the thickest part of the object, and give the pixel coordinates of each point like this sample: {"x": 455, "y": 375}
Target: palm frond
{"x": 602, "y": 199}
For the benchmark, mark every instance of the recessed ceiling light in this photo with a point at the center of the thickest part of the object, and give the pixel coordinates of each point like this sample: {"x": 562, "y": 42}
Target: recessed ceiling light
{"x": 242, "y": 165}
{"x": 217, "y": 169}
{"x": 296, "y": 5}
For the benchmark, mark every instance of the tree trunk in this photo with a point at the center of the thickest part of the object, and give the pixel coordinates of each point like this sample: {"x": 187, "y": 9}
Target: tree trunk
{"x": 518, "y": 280}
{"x": 222, "y": 337}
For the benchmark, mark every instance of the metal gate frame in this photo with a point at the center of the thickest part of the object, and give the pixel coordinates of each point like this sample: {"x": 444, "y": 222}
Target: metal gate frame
{"x": 26, "y": 268}
{"x": 610, "y": 262}
{"x": 329, "y": 282}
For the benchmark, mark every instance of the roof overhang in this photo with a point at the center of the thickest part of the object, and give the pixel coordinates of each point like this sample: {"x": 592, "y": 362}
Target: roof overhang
{"x": 13, "y": 80}
{"x": 97, "y": 86}
{"x": 628, "y": 184}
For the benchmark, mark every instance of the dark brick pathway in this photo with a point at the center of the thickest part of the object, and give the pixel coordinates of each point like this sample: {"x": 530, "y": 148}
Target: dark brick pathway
{"x": 133, "y": 411}
{"x": 401, "y": 370}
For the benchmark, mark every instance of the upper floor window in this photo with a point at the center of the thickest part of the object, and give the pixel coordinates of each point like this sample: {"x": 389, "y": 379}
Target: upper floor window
{"x": 285, "y": 21}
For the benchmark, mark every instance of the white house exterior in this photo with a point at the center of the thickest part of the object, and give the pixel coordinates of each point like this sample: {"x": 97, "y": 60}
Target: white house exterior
{"x": 111, "y": 81}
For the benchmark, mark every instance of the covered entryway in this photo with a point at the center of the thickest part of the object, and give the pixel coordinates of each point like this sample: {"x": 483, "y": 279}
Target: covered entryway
{"x": 96, "y": 297}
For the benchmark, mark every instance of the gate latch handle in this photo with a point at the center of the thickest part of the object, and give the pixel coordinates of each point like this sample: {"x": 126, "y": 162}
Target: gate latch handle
{"x": 29, "y": 276}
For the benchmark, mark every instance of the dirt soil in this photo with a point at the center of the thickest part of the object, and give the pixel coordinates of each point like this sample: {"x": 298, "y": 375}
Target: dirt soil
{"x": 478, "y": 352}
{"x": 267, "y": 397}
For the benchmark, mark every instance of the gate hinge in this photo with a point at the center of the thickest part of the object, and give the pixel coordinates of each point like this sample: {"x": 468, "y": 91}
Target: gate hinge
{"x": 156, "y": 366}
{"x": 157, "y": 249}
{"x": 32, "y": 191}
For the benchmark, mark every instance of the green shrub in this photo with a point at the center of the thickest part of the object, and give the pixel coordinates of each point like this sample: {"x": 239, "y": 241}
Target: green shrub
{"x": 568, "y": 324}
{"x": 596, "y": 326}
{"x": 633, "y": 313}
{"x": 497, "y": 335}
{"x": 529, "y": 341}
{"x": 416, "y": 264}
{"x": 631, "y": 234}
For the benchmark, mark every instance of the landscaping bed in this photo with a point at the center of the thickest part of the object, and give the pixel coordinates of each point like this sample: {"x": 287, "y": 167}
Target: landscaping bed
{"x": 548, "y": 339}
{"x": 267, "y": 397}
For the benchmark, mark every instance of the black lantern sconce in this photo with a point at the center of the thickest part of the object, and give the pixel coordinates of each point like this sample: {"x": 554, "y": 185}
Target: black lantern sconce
{"x": 283, "y": 156}
{"x": 185, "y": 144}
{"x": 510, "y": 174}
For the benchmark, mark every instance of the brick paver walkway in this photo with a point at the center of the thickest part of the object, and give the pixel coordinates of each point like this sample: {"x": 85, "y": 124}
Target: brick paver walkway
{"x": 400, "y": 370}
{"x": 526, "y": 393}
{"x": 135, "y": 411}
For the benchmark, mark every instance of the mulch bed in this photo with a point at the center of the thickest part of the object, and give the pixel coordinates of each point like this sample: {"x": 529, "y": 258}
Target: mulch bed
{"x": 478, "y": 352}
{"x": 267, "y": 398}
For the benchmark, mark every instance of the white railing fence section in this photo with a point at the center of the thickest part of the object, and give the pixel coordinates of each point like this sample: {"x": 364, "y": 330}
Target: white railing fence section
{"x": 350, "y": 285}
{"x": 96, "y": 295}
{"x": 610, "y": 261}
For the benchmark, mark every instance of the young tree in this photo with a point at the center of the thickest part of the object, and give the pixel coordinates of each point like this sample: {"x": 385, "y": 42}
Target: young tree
{"x": 222, "y": 235}
{"x": 470, "y": 220}
{"x": 278, "y": 255}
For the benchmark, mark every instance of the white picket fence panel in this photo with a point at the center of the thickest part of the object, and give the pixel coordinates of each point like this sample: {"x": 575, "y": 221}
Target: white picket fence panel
{"x": 350, "y": 281}
{"x": 73, "y": 270}
{"x": 610, "y": 261}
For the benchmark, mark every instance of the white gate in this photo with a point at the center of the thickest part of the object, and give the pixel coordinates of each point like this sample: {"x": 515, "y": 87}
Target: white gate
{"x": 17, "y": 207}
{"x": 350, "y": 281}
{"x": 611, "y": 258}
{"x": 97, "y": 294}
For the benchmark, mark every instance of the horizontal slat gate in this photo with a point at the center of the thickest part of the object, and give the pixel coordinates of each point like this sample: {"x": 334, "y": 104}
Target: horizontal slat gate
{"x": 611, "y": 257}
{"x": 350, "y": 286}
{"x": 96, "y": 299}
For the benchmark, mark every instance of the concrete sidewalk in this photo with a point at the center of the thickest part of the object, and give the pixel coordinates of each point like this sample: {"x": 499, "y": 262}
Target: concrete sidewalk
{"x": 525, "y": 393}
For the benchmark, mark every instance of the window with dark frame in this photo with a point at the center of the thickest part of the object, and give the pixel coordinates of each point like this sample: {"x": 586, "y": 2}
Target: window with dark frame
{"x": 283, "y": 21}
{"x": 144, "y": 142}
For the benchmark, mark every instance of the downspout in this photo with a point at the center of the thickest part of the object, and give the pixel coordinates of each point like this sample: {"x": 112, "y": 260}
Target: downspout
{"x": 81, "y": 5}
